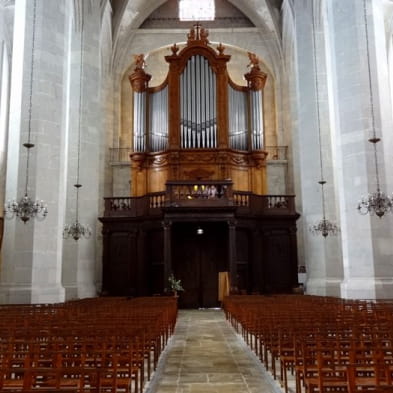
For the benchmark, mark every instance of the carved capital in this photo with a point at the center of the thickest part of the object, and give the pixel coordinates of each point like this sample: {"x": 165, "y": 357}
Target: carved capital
{"x": 256, "y": 79}
{"x": 158, "y": 161}
{"x": 259, "y": 158}
{"x": 137, "y": 160}
{"x": 139, "y": 80}
{"x": 166, "y": 224}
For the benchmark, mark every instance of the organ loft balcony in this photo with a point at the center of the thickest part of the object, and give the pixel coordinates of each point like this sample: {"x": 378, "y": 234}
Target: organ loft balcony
{"x": 194, "y": 195}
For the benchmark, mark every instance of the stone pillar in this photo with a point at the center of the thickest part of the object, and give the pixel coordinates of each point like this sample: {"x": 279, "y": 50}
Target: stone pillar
{"x": 31, "y": 265}
{"x": 322, "y": 257}
{"x": 79, "y": 258}
{"x": 36, "y": 260}
{"x": 366, "y": 240}
{"x": 6, "y": 26}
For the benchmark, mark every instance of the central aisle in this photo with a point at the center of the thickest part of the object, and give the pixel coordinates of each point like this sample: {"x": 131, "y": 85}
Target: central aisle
{"x": 205, "y": 355}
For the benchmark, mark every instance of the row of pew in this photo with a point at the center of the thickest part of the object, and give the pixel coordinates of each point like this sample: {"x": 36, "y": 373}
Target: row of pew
{"x": 107, "y": 344}
{"x": 322, "y": 344}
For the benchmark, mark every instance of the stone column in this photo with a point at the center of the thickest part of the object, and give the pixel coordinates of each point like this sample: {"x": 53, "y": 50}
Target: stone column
{"x": 79, "y": 258}
{"x": 6, "y": 26}
{"x": 366, "y": 240}
{"x": 36, "y": 258}
{"x": 322, "y": 257}
{"x": 31, "y": 265}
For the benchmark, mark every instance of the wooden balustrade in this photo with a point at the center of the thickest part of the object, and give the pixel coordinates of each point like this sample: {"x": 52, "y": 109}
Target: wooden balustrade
{"x": 199, "y": 194}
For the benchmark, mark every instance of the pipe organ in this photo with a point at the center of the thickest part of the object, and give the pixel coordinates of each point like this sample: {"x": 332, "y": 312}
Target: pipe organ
{"x": 198, "y": 124}
{"x": 198, "y": 164}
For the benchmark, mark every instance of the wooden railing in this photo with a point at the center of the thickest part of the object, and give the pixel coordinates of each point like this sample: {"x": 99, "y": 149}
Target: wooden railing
{"x": 264, "y": 204}
{"x": 148, "y": 205}
{"x": 199, "y": 194}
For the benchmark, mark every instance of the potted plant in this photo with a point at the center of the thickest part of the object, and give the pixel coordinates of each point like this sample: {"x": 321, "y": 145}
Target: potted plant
{"x": 175, "y": 285}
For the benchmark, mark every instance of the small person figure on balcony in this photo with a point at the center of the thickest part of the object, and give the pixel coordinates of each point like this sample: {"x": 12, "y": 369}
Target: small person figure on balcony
{"x": 175, "y": 285}
{"x": 212, "y": 192}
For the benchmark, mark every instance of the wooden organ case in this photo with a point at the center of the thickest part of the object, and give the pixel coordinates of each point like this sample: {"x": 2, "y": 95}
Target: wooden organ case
{"x": 198, "y": 203}
{"x": 198, "y": 124}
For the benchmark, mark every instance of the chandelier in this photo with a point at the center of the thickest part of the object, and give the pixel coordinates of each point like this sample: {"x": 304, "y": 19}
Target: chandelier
{"x": 377, "y": 202}
{"x": 324, "y": 226}
{"x": 76, "y": 230}
{"x": 26, "y": 208}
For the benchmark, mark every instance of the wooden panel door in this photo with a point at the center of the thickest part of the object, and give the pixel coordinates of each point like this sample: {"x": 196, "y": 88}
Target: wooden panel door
{"x": 121, "y": 270}
{"x": 197, "y": 260}
{"x": 279, "y": 262}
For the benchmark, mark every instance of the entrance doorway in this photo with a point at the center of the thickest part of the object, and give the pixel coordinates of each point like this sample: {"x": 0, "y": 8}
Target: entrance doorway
{"x": 197, "y": 258}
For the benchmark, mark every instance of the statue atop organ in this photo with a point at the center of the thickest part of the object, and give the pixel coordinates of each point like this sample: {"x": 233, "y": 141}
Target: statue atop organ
{"x": 198, "y": 120}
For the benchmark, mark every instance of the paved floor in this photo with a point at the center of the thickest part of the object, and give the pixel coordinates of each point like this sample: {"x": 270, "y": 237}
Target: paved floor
{"x": 205, "y": 355}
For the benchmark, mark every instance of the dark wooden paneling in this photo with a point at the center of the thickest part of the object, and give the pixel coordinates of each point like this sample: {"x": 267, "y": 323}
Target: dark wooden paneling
{"x": 242, "y": 259}
{"x": 197, "y": 260}
{"x": 133, "y": 254}
{"x": 121, "y": 269}
{"x": 278, "y": 262}
{"x": 155, "y": 261}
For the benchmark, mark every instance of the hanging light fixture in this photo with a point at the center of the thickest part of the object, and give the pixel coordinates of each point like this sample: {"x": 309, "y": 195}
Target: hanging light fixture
{"x": 377, "y": 202}
{"x": 324, "y": 226}
{"x": 76, "y": 230}
{"x": 26, "y": 208}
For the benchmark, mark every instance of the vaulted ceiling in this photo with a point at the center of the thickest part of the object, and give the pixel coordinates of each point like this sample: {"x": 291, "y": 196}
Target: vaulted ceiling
{"x": 129, "y": 15}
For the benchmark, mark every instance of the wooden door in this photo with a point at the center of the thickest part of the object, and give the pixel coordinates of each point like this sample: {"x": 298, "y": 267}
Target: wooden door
{"x": 197, "y": 259}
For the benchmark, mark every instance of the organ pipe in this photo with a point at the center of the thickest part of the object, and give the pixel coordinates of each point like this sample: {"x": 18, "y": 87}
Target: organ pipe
{"x": 158, "y": 120}
{"x": 256, "y": 120}
{"x": 238, "y": 119}
{"x": 140, "y": 121}
{"x": 198, "y": 105}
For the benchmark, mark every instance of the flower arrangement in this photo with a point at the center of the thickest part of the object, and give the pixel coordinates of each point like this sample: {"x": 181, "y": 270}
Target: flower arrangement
{"x": 175, "y": 285}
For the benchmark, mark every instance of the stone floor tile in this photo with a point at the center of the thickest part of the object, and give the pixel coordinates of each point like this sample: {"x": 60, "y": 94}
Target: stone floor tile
{"x": 187, "y": 378}
{"x": 206, "y": 355}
